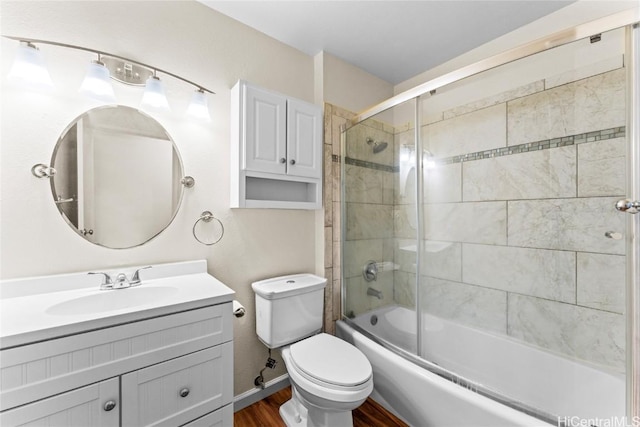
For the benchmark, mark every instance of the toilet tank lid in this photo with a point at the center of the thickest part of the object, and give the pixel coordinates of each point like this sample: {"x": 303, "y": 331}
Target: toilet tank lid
{"x": 286, "y": 286}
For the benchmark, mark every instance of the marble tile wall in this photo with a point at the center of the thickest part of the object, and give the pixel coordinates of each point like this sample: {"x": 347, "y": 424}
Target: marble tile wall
{"x": 476, "y": 131}
{"x": 553, "y": 112}
{"x": 334, "y": 118}
{"x": 516, "y": 211}
{"x": 369, "y": 199}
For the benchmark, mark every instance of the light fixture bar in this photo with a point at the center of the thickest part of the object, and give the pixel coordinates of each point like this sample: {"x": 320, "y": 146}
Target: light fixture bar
{"x": 99, "y": 52}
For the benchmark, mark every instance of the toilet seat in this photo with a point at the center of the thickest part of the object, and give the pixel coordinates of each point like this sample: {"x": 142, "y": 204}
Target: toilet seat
{"x": 331, "y": 362}
{"x": 316, "y": 390}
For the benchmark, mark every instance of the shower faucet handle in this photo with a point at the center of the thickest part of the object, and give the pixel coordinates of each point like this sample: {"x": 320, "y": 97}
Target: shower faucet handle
{"x": 370, "y": 271}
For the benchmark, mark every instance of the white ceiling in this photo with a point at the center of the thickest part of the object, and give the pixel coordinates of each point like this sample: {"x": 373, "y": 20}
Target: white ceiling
{"x": 392, "y": 39}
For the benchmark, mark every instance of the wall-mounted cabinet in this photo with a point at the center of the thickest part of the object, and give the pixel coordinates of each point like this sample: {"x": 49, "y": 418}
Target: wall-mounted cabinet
{"x": 276, "y": 150}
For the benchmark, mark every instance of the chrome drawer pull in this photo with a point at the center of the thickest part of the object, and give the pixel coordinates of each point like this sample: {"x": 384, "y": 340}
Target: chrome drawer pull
{"x": 184, "y": 392}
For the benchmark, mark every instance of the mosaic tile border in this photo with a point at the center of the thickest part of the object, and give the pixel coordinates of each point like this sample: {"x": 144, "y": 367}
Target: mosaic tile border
{"x": 600, "y": 135}
{"x": 362, "y": 163}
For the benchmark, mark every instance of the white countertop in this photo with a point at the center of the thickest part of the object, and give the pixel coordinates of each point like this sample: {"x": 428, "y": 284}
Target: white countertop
{"x": 33, "y": 309}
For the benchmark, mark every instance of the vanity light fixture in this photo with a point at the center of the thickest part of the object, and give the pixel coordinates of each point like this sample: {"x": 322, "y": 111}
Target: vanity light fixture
{"x": 97, "y": 82}
{"x": 199, "y": 106}
{"x": 29, "y": 68}
{"x": 154, "y": 97}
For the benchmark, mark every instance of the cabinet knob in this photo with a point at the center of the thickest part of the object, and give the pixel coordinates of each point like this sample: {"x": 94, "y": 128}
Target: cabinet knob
{"x": 184, "y": 392}
{"x": 293, "y": 162}
{"x": 110, "y": 405}
{"x": 283, "y": 160}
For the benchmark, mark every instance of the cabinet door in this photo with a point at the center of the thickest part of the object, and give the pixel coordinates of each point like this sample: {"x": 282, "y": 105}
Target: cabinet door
{"x": 304, "y": 139}
{"x": 84, "y": 407}
{"x": 265, "y": 131}
{"x": 180, "y": 390}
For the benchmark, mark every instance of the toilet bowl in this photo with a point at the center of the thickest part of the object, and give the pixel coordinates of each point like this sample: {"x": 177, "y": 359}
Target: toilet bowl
{"x": 329, "y": 377}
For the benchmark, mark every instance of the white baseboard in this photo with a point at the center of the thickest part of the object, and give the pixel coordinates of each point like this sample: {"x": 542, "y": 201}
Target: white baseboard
{"x": 252, "y": 396}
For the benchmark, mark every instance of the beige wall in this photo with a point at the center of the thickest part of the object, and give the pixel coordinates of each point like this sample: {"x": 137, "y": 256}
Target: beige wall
{"x": 193, "y": 41}
{"x": 348, "y": 86}
{"x": 199, "y": 44}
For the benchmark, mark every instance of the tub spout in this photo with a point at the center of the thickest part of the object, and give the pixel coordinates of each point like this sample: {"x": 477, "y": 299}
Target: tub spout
{"x": 374, "y": 293}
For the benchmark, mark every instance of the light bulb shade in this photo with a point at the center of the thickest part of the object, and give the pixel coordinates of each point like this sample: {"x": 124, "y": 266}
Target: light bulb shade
{"x": 29, "y": 68}
{"x": 154, "y": 97}
{"x": 97, "y": 83}
{"x": 199, "y": 106}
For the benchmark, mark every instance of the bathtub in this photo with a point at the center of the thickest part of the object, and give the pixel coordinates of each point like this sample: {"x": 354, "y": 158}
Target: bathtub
{"x": 503, "y": 367}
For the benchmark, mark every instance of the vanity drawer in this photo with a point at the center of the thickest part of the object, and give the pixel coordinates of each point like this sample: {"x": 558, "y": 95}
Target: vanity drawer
{"x": 82, "y": 407}
{"x": 43, "y": 369}
{"x": 223, "y": 417}
{"x": 177, "y": 391}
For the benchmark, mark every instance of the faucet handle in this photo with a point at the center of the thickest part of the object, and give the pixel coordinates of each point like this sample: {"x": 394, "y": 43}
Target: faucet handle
{"x": 107, "y": 279}
{"x": 135, "y": 279}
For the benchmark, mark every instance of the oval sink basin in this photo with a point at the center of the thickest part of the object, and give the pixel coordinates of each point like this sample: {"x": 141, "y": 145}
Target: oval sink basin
{"x": 112, "y": 300}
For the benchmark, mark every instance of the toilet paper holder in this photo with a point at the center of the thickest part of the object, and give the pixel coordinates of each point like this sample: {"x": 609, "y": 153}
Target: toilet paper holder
{"x": 238, "y": 309}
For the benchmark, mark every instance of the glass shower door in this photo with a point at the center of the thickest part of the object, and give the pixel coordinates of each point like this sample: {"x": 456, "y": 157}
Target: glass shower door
{"x": 522, "y": 270}
{"x": 379, "y": 226}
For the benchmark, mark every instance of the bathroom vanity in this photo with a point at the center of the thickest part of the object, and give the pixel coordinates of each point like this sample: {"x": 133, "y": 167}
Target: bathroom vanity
{"x": 160, "y": 353}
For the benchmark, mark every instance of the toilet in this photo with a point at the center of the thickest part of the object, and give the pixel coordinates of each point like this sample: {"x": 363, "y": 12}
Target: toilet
{"x": 329, "y": 377}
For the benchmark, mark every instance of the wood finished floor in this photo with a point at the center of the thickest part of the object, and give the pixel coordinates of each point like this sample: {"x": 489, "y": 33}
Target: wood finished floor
{"x": 265, "y": 413}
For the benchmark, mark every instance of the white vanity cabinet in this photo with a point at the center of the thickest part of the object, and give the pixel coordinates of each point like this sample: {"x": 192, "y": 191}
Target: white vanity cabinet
{"x": 276, "y": 150}
{"x": 169, "y": 370}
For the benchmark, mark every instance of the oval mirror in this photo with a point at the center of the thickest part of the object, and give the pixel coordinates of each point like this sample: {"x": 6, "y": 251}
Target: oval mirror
{"x": 118, "y": 177}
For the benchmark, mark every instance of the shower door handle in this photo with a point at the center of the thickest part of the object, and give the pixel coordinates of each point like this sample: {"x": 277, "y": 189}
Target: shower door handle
{"x": 626, "y": 205}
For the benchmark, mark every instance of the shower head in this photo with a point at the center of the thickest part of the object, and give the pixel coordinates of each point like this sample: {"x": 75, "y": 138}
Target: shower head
{"x": 378, "y": 146}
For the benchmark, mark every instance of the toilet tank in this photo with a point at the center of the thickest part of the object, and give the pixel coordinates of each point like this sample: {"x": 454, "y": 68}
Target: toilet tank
{"x": 288, "y": 308}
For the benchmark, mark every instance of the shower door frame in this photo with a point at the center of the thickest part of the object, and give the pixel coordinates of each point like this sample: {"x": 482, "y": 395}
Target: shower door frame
{"x": 629, "y": 19}
{"x": 633, "y": 222}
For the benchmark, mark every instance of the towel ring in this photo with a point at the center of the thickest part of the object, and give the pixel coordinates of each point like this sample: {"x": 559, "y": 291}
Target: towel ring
{"x": 207, "y": 216}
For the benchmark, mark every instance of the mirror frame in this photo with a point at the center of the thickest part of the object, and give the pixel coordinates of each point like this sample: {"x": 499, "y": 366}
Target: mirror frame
{"x": 175, "y": 150}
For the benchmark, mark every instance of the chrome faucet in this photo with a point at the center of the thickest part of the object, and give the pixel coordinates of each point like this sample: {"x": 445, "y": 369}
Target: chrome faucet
{"x": 107, "y": 284}
{"x": 135, "y": 279}
{"x": 121, "y": 281}
{"x": 374, "y": 293}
